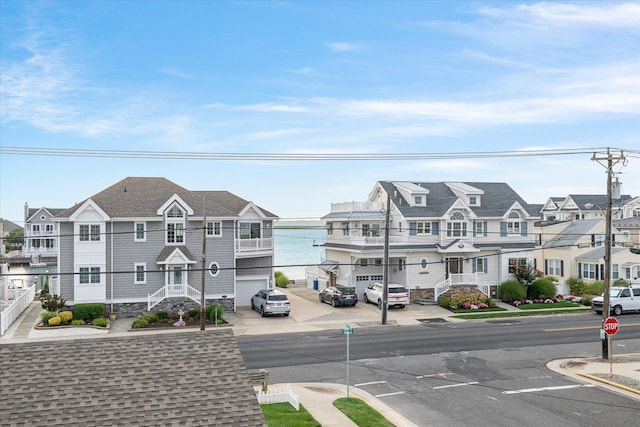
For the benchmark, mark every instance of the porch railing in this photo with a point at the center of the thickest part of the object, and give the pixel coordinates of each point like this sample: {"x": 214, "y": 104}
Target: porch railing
{"x": 254, "y": 245}
{"x": 170, "y": 291}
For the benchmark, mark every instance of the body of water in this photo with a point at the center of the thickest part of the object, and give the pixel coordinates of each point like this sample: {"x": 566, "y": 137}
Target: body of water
{"x": 298, "y": 244}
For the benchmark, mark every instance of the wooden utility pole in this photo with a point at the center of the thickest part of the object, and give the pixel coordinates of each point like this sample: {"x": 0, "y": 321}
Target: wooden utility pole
{"x": 607, "y": 248}
{"x": 204, "y": 262}
{"x": 385, "y": 263}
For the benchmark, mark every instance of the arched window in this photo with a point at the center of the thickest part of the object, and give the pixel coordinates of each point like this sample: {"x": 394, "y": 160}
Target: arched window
{"x": 513, "y": 223}
{"x": 457, "y": 225}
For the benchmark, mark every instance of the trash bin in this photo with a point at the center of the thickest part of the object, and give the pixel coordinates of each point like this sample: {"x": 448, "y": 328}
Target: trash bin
{"x": 315, "y": 284}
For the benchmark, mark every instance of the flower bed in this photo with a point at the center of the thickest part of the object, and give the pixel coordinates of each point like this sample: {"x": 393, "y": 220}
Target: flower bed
{"x": 466, "y": 302}
{"x": 560, "y": 301}
{"x": 163, "y": 320}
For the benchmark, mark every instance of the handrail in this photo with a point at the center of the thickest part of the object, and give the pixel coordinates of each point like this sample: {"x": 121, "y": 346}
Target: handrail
{"x": 173, "y": 290}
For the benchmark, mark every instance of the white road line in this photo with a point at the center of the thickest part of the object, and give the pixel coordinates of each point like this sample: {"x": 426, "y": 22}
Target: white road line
{"x": 374, "y": 382}
{"x": 455, "y": 385}
{"x": 442, "y": 374}
{"x": 389, "y": 394}
{"x": 560, "y": 387}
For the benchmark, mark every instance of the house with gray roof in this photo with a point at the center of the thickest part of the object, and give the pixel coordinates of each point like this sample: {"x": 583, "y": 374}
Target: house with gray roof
{"x": 441, "y": 235}
{"x": 584, "y": 206}
{"x": 575, "y": 249}
{"x": 138, "y": 245}
{"x": 40, "y": 233}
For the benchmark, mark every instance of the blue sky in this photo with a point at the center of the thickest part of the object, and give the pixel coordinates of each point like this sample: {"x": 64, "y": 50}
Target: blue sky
{"x": 310, "y": 77}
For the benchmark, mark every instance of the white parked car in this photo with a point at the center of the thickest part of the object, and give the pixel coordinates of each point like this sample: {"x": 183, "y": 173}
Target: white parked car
{"x": 271, "y": 301}
{"x": 621, "y": 299}
{"x": 397, "y": 295}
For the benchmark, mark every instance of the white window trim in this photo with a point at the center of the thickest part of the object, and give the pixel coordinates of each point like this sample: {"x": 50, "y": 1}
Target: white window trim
{"x": 554, "y": 267}
{"x": 135, "y": 273}
{"x": 144, "y": 232}
{"x": 513, "y": 224}
{"x": 424, "y": 264}
{"x": 90, "y": 274}
{"x": 217, "y": 269}
{"x": 423, "y": 227}
{"x": 213, "y": 229}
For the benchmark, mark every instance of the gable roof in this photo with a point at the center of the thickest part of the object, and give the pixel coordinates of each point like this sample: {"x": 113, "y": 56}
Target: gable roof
{"x": 573, "y": 233}
{"x": 141, "y": 197}
{"x": 496, "y": 200}
{"x": 52, "y": 212}
{"x": 175, "y": 378}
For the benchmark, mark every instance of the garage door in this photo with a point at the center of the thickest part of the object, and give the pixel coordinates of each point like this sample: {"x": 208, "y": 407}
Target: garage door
{"x": 246, "y": 288}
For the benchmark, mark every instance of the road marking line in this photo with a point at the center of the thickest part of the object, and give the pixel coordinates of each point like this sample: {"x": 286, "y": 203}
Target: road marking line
{"x": 389, "y": 394}
{"x": 584, "y": 328}
{"x": 374, "y": 382}
{"x": 560, "y": 387}
{"x": 455, "y": 385}
{"x": 441, "y": 374}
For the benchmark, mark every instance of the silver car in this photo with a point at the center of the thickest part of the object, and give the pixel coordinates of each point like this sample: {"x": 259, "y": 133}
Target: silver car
{"x": 270, "y": 302}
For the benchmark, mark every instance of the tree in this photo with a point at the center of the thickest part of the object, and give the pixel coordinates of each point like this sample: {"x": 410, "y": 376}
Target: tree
{"x": 14, "y": 238}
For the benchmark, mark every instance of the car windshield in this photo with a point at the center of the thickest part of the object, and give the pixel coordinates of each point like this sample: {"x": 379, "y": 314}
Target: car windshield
{"x": 277, "y": 297}
{"x": 615, "y": 293}
{"x": 397, "y": 290}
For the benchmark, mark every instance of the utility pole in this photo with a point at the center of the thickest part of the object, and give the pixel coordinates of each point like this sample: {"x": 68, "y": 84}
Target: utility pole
{"x": 204, "y": 262}
{"x": 607, "y": 247}
{"x": 385, "y": 263}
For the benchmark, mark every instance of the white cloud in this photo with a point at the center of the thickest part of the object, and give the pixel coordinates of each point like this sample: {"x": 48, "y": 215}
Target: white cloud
{"x": 176, "y": 73}
{"x": 342, "y": 47}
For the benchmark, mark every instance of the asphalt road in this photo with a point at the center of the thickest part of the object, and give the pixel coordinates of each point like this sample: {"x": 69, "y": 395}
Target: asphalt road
{"x": 485, "y": 373}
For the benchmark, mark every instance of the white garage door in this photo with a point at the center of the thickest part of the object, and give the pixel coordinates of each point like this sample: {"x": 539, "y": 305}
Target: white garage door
{"x": 245, "y": 289}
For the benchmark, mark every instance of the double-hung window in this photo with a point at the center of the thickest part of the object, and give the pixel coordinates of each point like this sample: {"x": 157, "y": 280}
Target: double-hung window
{"x": 423, "y": 228}
{"x": 480, "y": 265}
{"x": 371, "y": 230}
{"x": 589, "y": 271}
{"x": 513, "y": 223}
{"x": 457, "y": 225}
{"x": 214, "y": 228}
{"x": 89, "y": 275}
{"x": 175, "y": 225}
{"x": 140, "y": 232}
{"x": 554, "y": 267}
{"x": 89, "y": 232}
{"x": 140, "y": 273}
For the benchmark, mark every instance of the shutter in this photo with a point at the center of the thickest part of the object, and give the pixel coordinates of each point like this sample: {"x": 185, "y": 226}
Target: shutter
{"x": 613, "y": 240}
{"x": 484, "y": 229}
{"x": 486, "y": 261}
{"x": 412, "y": 229}
{"x": 546, "y": 266}
{"x": 473, "y": 266}
{"x": 435, "y": 228}
{"x": 593, "y": 240}
{"x": 503, "y": 229}
{"x": 523, "y": 228}
{"x": 579, "y": 270}
{"x": 601, "y": 272}
{"x": 474, "y": 231}
{"x": 561, "y": 268}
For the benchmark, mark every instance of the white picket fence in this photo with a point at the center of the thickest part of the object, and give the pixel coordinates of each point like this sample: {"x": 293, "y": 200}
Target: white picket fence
{"x": 278, "y": 395}
{"x": 17, "y": 306}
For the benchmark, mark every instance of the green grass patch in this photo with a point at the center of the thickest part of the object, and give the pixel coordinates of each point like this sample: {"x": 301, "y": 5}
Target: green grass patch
{"x": 521, "y": 313}
{"x": 285, "y": 415}
{"x": 559, "y": 304}
{"x": 361, "y": 413}
{"x": 479, "y": 310}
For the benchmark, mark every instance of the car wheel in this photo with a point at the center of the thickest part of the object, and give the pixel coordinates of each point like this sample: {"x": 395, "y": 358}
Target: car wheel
{"x": 365, "y": 298}
{"x": 333, "y": 302}
{"x": 253, "y": 307}
{"x": 320, "y": 298}
{"x": 401, "y": 306}
{"x": 286, "y": 315}
{"x": 617, "y": 310}
{"x": 380, "y": 304}
{"x": 262, "y": 312}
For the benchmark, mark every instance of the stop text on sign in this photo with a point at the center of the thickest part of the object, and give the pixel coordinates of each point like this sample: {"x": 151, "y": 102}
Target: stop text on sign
{"x": 611, "y": 326}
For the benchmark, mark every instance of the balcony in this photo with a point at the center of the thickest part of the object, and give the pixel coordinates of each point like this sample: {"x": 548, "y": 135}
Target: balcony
{"x": 251, "y": 247}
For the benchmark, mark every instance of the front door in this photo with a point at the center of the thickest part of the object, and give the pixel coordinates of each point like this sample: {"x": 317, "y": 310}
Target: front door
{"x": 454, "y": 266}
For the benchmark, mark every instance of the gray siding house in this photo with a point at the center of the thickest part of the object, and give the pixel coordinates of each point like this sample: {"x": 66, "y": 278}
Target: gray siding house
{"x": 442, "y": 235}
{"x": 137, "y": 245}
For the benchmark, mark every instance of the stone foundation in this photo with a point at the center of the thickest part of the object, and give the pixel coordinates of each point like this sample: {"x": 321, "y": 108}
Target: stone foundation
{"x": 170, "y": 305}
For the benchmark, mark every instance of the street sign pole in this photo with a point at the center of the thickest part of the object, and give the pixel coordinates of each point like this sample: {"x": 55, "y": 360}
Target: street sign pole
{"x": 610, "y": 327}
{"x": 348, "y": 330}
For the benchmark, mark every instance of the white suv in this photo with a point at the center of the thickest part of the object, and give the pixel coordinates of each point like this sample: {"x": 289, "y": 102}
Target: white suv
{"x": 271, "y": 301}
{"x": 621, "y": 299}
{"x": 397, "y": 296}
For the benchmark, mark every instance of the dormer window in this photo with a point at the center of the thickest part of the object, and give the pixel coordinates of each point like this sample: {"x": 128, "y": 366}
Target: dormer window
{"x": 457, "y": 225}
{"x": 513, "y": 223}
{"x": 175, "y": 212}
{"x": 175, "y": 225}
{"x": 417, "y": 200}
{"x": 474, "y": 201}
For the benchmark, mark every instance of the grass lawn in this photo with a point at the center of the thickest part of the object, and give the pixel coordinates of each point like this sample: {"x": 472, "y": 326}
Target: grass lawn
{"x": 522, "y": 313}
{"x": 361, "y": 413}
{"x": 285, "y": 415}
{"x": 479, "y": 310}
{"x": 559, "y": 304}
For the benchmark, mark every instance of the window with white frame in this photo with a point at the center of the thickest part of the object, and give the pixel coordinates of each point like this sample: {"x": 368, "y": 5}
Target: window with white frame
{"x": 89, "y": 232}
{"x": 48, "y": 228}
{"x": 417, "y": 200}
{"x": 423, "y": 228}
{"x": 377, "y": 277}
{"x": 514, "y": 263}
{"x": 89, "y": 275}
{"x": 175, "y": 218}
{"x": 329, "y": 229}
{"x": 345, "y": 228}
{"x": 589, "y": 271}
{"x": 480, "y": 265}
{"x": 473, "y": 201}
{"x": 371, "y": 230}
{"x": 250, "y": 230}
{"x": 554, "y": 267}
{"x": 457, "y": 225}
{"x": 364, "y": 262}
{"x": 362, "y": 278}
{"x": 35, "y": 228}
{"x": 627, "y": 273}
{"x": 214, "y": 228}
{"x": 399, "y": 226}
{"x": 597, "y": 240}
{"x": 424, "y": 264}
{"x": 140, "y": 275}
{"x": 140, "y": 231}
{"x": 615, "y": 271}
{"x": 377, "y": 262}
{"x": 479, "y": 228}
{"x": 214, "y": 269}
{"x": 513, "y": 223}
{"x": 49, "y": 243}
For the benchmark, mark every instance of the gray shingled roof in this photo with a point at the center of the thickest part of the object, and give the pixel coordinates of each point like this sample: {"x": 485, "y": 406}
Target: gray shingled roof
{"x": 599, "y": 201}
{"x": 497, "y": 199}
{"x": 188, "y": 378}
{"x": 572, "y": 233}
{"x": 598, "y": 254}
{"x": 141, "y": 197}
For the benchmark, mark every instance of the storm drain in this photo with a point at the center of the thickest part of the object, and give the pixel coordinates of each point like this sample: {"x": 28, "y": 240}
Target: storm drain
{"x": 432, "y": 320}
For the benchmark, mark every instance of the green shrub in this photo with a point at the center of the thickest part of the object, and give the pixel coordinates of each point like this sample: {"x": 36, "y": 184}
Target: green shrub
{"x": 444, "y": 302}
{"x": 194, "y": 313}
{"x": 213, "y": 312}
{"x": 541, "y": 288}
{"x": 66, "y": 316}
{"x": 52, "y": 303}
{"x": 511, "y": 290}
{"x": 77, "y": 322}
{"x": 100, "y": 321}
{"x": 587, "y": 301}
{"x": 45, "y": 316}
{"x": 162, "y": 315}
{"x": 577, "y": 286}
{"x": 595, "y": 288}
{"x": 139, "y": 323}
{"x": 619, "y": 282}
{"x": 54, "y": 321}
{"x": 281, "y": 279}
{"x": 150, "y": 317}
{"x": 88, "y": 312}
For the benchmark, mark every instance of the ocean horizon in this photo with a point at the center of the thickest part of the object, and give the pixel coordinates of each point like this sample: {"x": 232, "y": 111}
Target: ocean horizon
{"x": 298, "y": 244}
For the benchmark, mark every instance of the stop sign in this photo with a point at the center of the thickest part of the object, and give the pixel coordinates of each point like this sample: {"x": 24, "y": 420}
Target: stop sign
{"x": 611, "y": 326}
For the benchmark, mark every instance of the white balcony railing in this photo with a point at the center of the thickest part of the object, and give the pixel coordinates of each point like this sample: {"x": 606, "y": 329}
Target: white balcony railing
{"x": 254, "y": 245}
